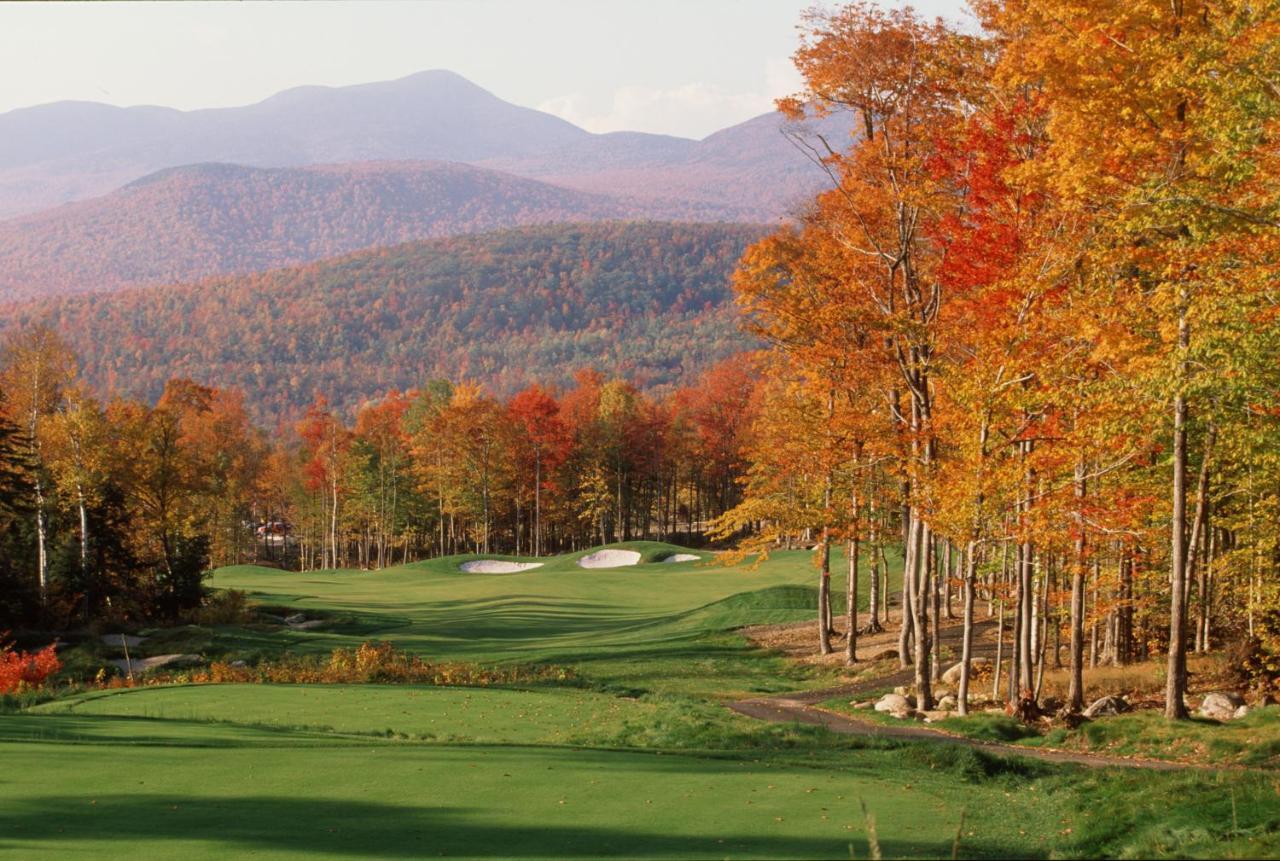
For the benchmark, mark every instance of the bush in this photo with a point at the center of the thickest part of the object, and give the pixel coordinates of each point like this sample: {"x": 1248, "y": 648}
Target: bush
{"x": 24, "y": 671}
{"x": 376, "y": 663}
{"x": 223, "y": 607}
{"x": 1249, "y": 662}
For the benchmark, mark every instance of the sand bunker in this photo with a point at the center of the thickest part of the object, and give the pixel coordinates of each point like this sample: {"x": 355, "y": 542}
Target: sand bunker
{"x": 609, "y": 559}
{"x": 682, "y": 557}
{"x": 497, "y": 566}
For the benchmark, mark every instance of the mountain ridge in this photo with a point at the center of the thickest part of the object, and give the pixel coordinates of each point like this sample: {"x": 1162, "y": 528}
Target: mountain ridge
{"x": 647, "y": 300}
{"x": 66, "y": 151}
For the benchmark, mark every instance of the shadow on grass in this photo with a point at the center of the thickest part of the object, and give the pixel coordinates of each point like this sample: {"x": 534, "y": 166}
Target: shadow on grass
{"x": 370, "y": 830}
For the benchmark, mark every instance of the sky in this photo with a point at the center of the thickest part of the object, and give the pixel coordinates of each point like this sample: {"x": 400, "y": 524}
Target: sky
{"x": 682, "y": 67}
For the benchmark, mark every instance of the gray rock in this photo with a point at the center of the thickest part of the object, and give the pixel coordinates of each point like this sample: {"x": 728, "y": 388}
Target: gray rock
{"x": 893, "y": 703}
{"x": 295, "y": 619}
{"x": 1221, "y": 705}
{"x": 947, "y": 703}
{"x": 952, "y": 675}
{"x": 1240, "y": 712}
{"x": 1106, "y": 707}
{"x": 239, "y": 665}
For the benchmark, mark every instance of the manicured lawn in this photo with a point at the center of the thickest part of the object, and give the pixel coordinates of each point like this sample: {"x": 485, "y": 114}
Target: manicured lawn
{"x": 652, "y": 627}
{"x": 123, "y": 788}
{"x": 635, "y": 757}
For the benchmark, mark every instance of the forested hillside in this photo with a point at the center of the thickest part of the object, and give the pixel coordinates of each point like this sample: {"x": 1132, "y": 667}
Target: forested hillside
{"x": 187, "y": 223}
{"x": 647, "y": 301}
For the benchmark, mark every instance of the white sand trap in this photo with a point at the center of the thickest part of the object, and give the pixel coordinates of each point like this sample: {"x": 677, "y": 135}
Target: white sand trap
{"x": 497, "y": 566}
{"x": 682, "y": 557}
{"x": 609, "y": 559}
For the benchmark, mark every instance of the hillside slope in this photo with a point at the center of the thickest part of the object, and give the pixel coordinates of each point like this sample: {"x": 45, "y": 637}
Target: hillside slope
{"x": 188, "y": 223}
{"x": 647, "y": 300}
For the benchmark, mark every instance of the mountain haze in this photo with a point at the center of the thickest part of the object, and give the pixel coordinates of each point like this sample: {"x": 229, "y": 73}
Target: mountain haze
{"x": 66, "y": 151}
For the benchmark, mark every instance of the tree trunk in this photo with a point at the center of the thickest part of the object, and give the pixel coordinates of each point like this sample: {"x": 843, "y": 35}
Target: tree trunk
{"x": 907, "y": 630}
{"x": 537, "y": 502}
{"x": 946, "y": 582}
{"x": 824, "y": 598}
{"x": 936, "y": 575}
{"x": 966, "y": 641}
{"x": 1176, "y": 675}
{"x": 1075, "y": 695}
{"x": 855, "y": 504}
{"x": 873, "y": 537}
{"x": 920, "y": 622}
{"x": 995, "y": 672}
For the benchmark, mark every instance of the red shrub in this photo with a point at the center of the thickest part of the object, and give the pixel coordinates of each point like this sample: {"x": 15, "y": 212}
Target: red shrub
{"x": 21, "y": 671}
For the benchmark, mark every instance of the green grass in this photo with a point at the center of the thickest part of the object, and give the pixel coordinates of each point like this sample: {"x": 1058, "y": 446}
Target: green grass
{"x": 1253, "y": 740}
{"x": 481, "y": 715}
{"x": 276, "y": 796}
{"x": 653, "y": 627}
{"x": 637, "y": 759}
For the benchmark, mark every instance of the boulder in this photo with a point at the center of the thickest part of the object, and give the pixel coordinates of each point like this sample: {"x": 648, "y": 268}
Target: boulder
{"x": 1221, "y": 705}
{"x": 947, "y": 703}
{"x": 1106, "y": 707}
{"x": 952, "y": 675}
{"x": 239, "y": 665}
{"x": 1069, "y": 719}
{"x": 1240, "y": 712}
{"x": 894, "y": 704}
{"x": 295, "y": 619}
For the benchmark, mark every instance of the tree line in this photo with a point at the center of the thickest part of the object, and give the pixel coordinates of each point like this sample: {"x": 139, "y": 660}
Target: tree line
{"x": 117, "y": 510}
{"x": 1030, "y": 333}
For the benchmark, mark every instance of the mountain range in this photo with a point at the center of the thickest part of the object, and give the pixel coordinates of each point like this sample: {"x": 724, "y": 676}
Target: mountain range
{"x": 349, "y": 240}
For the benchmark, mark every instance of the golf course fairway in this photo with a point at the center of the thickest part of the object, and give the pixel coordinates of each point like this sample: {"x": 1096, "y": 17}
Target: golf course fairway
{"x": 632, "y": 754}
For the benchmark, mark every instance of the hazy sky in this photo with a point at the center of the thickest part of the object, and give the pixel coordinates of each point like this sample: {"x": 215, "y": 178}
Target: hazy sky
{"x": 685, "y": 67}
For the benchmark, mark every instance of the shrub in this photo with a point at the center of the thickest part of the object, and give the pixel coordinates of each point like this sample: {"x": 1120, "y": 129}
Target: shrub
{"x": 376, "y": 663}
{"x": 23, "y": 671}
{"x": 223, "y": 607}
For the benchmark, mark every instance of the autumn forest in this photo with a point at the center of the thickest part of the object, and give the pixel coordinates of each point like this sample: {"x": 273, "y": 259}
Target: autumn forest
{"x": 982, "y": 431}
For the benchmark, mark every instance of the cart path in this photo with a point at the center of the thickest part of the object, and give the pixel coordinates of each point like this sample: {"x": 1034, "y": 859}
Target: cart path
{"x": 801, "y": 707}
